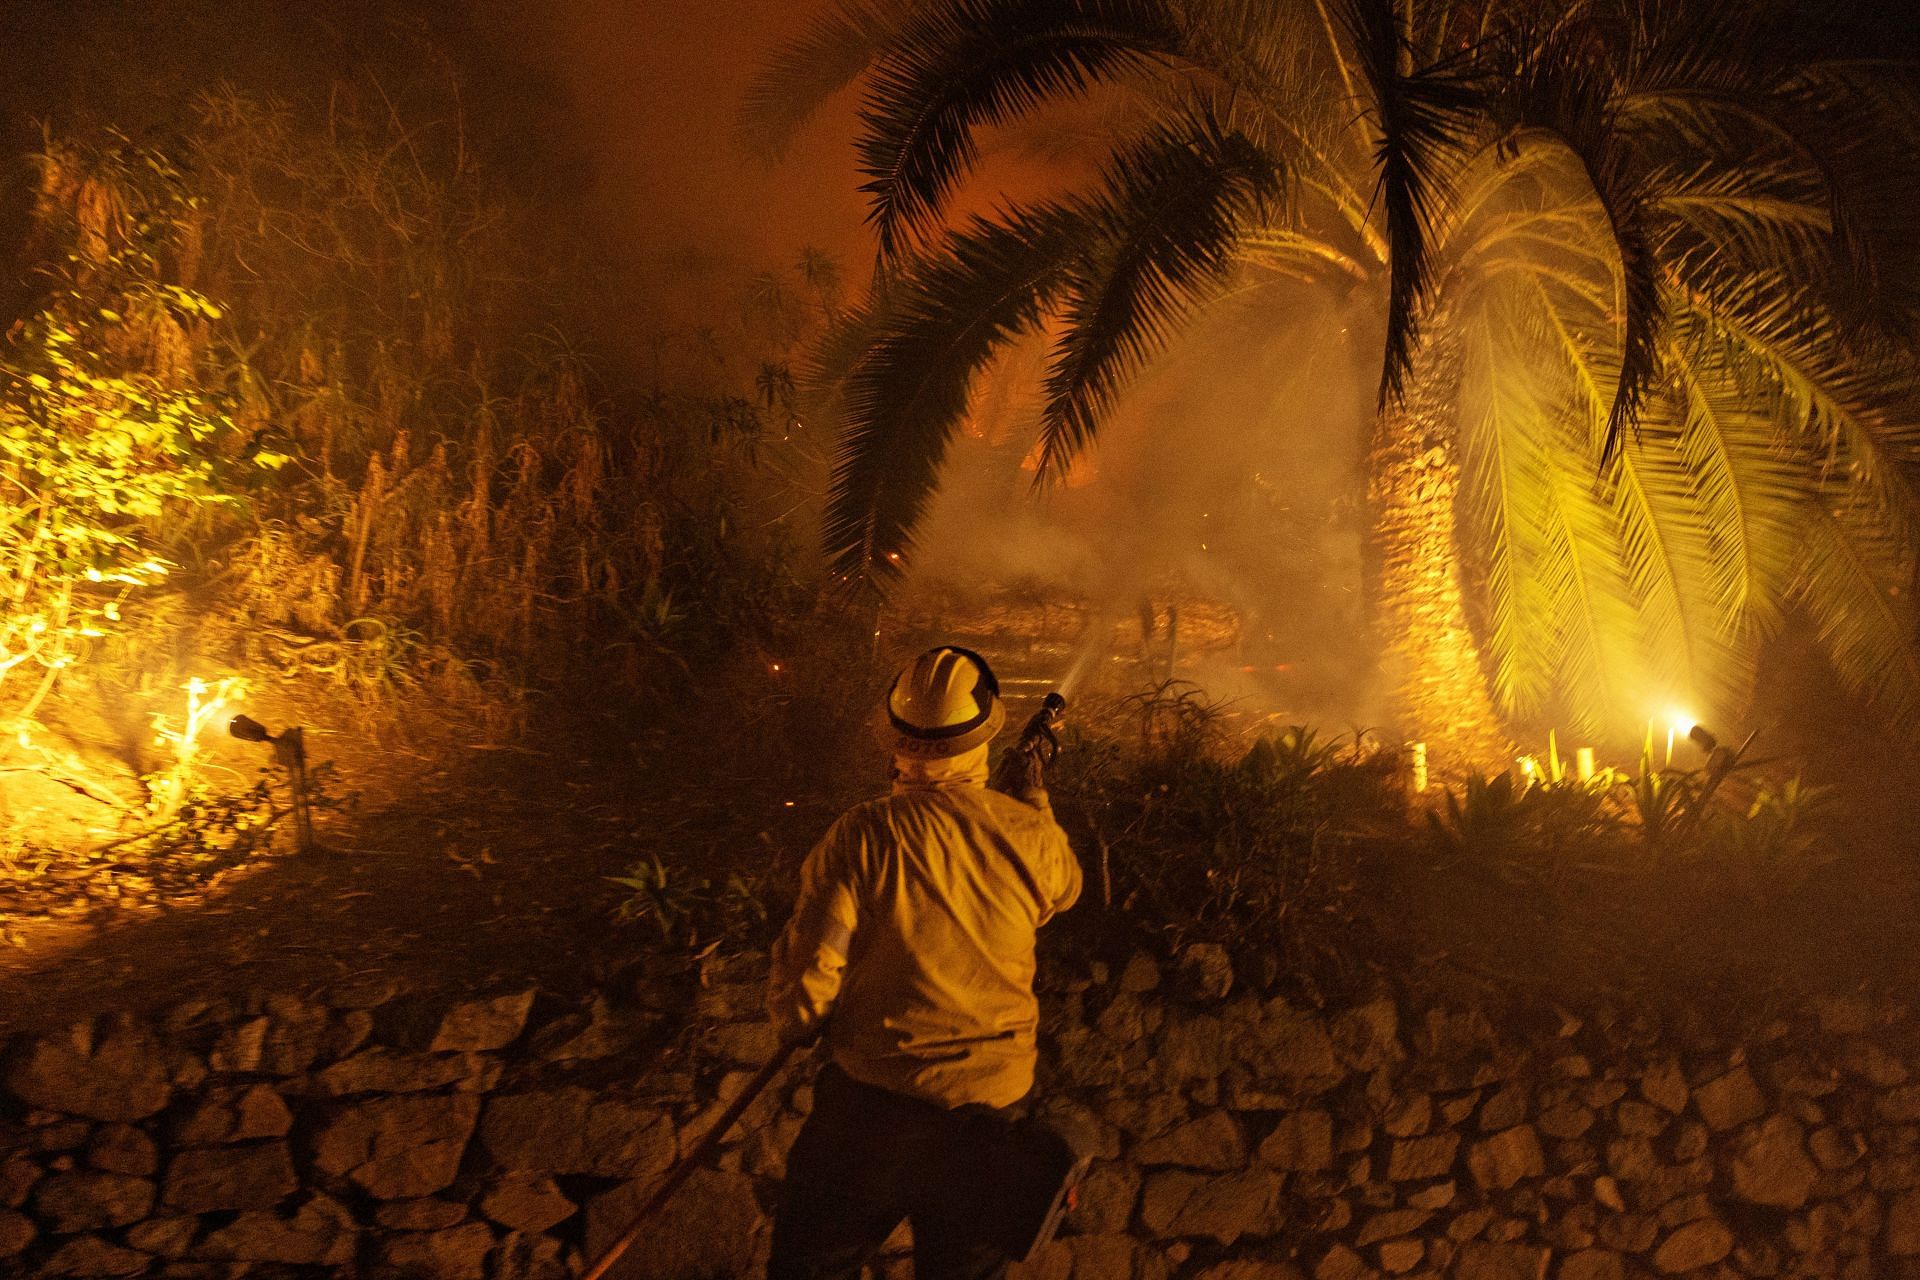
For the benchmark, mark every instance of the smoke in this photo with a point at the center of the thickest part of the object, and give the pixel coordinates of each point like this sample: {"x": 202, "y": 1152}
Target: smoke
{"x": 1227, "y": 485}
{"x": 648, "y": 96}
{"x": 1229, "y": 476}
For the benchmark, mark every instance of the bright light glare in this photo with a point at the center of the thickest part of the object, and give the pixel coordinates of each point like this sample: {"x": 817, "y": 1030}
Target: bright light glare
{"x": 1682, "y": 720}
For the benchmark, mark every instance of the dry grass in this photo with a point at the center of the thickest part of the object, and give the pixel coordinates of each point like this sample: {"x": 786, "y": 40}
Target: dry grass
{"x": 466, "y": 506}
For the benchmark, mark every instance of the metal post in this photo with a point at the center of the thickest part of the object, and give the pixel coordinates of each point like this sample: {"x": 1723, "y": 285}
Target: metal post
{"x": 290, "y": 752}
{"x": 290, "y": 748}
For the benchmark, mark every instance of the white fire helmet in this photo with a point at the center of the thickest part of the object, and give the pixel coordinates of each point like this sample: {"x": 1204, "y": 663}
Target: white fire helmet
{"x": 943, "y": 703}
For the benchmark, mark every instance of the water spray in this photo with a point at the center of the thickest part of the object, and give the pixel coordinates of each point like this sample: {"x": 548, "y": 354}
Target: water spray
{"x": 1075, "y": 673}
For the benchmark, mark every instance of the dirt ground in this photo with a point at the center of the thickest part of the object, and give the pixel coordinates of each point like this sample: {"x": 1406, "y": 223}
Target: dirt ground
{"x": 451, "y": 862}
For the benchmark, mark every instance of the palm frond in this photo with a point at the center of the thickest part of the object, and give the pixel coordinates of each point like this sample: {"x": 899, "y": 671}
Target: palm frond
{"x": 1746, "y": 488}
{"x": 1313, "y": 159}
{"x": 1752, "y": 216}
{"x": 1329, "y": 26}
{"x": 798, "y": 78}
{"x": 1657, "y": 544}
{"x": 1731, "y": 50}
{"x": 1294, "y": 97}
{"x": 962, "y": 65}
{"x": 1568, "y": 286}
{"x": 1300, "y": 256}
{"x": 1167, "y": 225}
{"x": 1505, "y": 520}
{"x": 945, "y": 320}
{"x": 1563, "y": 91}
{"x": 1601, "y": 665}
{"x": 832, "y": 360}
{"x": 1673, "y": 563}
{"x": 1858, "y": 413}
{"x": 1419, "y": 116}
{"x": 1081, "y": 131}
{"x": 1757, "y": 140}
{"x": 1759, "y": 85}
{"x": 1593, "y": 589}
{"x": 1864, "y": 128}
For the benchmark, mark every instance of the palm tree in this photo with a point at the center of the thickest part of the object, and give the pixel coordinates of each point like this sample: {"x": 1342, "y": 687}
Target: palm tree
{"x": 1644, "y": 394}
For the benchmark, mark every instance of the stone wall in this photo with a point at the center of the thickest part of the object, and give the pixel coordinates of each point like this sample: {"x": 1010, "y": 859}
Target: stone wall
{"x": 1249, "y": 1139}
{"x": 359, "y": 1132}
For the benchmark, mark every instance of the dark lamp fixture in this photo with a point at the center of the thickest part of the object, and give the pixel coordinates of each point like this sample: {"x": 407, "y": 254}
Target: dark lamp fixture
{"x": 290, "y": 750}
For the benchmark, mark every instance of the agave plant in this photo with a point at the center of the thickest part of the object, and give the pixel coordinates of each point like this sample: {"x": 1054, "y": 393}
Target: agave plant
{"x": 1626, "y": 262}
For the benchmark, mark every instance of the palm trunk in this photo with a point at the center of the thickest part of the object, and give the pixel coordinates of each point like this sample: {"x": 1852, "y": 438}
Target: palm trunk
{"x": 1431, "y": 674}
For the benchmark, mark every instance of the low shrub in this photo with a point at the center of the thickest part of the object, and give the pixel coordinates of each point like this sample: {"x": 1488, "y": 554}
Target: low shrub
{"x": 1191, "y": 833}
{"x": 1545, "y": 832}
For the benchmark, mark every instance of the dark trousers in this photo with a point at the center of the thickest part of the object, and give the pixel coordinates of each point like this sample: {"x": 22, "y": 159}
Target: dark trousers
{"x": 868, "y": 1158}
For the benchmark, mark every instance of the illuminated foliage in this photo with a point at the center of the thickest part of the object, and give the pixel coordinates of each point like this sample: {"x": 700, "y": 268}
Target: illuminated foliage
{"x": 107, "y": 424}
{"x": 89, "y": 454}
{"x": 1637, "y": 269}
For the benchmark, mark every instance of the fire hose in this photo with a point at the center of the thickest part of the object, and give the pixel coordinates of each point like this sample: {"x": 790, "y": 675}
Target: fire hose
{"x": 692, "y": 1160}
{"x": 1023, "y": 765}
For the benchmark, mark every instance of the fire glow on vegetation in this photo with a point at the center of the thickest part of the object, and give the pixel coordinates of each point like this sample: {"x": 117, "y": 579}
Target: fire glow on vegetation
{"x": 107, "y": 424}
{"x": 207, "y": 702}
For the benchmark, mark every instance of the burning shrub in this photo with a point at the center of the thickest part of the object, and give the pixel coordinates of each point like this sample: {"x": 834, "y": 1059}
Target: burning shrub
{"x": 475, "y": 495}
{"x": 295, "y": 399}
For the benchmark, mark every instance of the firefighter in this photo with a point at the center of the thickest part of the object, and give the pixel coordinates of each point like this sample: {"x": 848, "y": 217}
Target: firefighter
{"x": 911, "y": 953}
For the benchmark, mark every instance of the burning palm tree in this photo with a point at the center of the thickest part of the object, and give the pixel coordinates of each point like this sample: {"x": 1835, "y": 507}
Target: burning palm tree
{"x": 1625, "y": 259}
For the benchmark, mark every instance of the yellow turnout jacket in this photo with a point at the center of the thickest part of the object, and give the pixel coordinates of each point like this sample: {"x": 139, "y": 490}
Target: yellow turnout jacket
{"x": 915, "y": 930}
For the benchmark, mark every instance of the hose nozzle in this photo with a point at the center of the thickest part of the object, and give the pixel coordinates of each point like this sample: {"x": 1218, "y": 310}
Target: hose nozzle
{"x": 1024, "y": 767}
